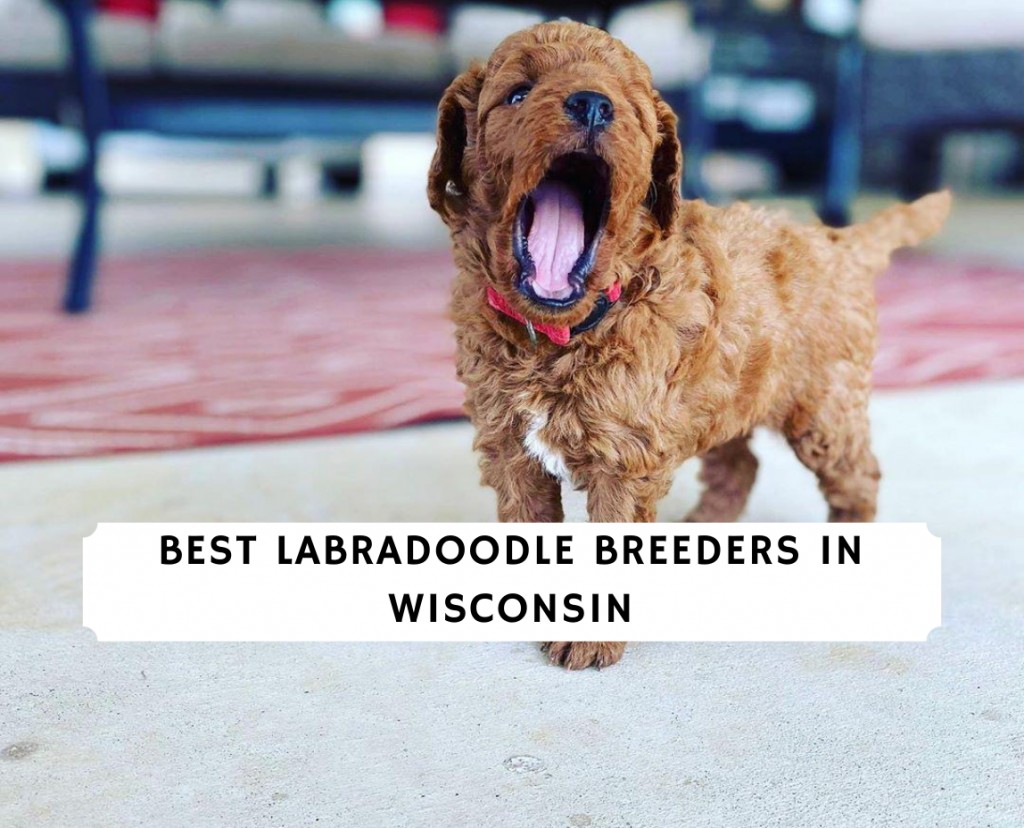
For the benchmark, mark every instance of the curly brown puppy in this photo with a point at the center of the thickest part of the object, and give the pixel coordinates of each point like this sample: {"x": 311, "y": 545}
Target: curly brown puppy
{"x": 608, "y": 330}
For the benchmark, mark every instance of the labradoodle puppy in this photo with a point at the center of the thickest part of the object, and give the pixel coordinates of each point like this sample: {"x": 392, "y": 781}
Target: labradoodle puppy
{"x": 608, "y": 330}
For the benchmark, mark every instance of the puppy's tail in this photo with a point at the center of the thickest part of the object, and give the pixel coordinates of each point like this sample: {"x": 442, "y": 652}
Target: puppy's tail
{"x": 902, "y": 225}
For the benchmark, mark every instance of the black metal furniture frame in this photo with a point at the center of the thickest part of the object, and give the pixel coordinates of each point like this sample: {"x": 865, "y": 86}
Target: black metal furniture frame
{"x": 207, "y": 108}
{"x": 200, "y": 107}
{"x": 264, "y": 109}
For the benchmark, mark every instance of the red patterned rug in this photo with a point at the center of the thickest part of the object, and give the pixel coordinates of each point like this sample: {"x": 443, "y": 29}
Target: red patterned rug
{"x": 198, "y": 349}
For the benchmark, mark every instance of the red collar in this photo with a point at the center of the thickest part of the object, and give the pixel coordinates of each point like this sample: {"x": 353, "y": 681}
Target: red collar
{"x": 559, "y": 334}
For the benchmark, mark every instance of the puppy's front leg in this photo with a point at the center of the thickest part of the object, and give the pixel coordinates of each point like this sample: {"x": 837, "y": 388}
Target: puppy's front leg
{"x": 578, "y": 655}
{"x": 610, "y": 499}
{"x": 526, "y": 492}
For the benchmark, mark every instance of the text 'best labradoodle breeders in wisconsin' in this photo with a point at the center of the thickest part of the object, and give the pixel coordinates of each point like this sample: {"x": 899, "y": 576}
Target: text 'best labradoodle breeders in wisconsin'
{"x": 512, "y": 550}
{"x": 471, "y": 582}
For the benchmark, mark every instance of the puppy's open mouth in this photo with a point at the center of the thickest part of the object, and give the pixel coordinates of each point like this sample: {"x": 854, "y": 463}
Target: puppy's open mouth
{"x": 558, "y": 228}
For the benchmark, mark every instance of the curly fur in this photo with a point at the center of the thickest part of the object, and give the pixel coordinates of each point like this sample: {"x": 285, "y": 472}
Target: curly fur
{"x": 730, "y": 318}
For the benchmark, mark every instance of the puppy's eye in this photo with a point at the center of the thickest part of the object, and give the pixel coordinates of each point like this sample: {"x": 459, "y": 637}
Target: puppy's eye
{"x": 518, "y": 95}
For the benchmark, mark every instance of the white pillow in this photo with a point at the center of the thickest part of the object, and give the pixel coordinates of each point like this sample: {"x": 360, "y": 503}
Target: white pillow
{"x": 943, "y": 24}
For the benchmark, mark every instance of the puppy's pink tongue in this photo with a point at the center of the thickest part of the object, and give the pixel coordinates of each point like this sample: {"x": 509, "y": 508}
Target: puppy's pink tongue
{"x": 555, "y": 239}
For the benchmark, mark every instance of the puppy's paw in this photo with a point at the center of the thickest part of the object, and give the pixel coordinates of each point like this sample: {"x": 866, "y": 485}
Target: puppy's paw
{"x": 578, "y": 655}
{"x": 700, "y": 514}
{"x": 716, "y": 510}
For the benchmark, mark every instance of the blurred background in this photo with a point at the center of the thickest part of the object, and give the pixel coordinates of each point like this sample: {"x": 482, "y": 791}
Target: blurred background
{"x": 213, "y": 225}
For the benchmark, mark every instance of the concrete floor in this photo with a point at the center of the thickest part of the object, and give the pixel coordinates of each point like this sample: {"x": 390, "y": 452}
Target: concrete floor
{"x": 488, "y": 734}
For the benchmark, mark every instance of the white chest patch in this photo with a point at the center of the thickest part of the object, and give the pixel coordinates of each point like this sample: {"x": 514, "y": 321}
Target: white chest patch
{"x": 549, "y": 458}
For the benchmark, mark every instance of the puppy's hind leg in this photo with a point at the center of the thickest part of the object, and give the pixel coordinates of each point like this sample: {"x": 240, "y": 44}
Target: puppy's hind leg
{"x": 833, "y": 440}
{"x": 728, "y": 472}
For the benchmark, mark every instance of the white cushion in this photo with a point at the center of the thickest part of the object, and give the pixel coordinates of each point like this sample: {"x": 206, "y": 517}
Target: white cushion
{"x": 661, "y": 33}
{"x": 943, "y": 24}
{"x": 34, "y": 38}
{"x": 281, "y": 14}
{"x": 190, "y": 47}
{"x": 124, "y": 44}
{"x": 475, "y": 30}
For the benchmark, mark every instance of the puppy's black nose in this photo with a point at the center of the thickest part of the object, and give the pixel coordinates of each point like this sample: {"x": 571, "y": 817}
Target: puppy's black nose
{"x": 590, "y": 109}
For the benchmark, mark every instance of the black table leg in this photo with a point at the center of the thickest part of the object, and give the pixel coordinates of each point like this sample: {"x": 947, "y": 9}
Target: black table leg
{"x": 698, "y": 140}
{"x": 922, "y": 165}
{"x": 843, "y": 175}
{"x": 92, "y": 99}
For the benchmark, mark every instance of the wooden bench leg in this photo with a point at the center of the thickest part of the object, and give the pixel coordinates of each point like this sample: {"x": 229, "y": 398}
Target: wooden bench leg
{"x": 92, "y": 100}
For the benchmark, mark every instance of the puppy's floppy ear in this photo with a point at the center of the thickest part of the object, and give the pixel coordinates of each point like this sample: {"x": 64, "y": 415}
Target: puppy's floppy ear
{"x": 666, "y": 168}
{"x": 446, "y": 189}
